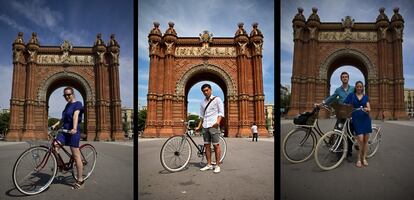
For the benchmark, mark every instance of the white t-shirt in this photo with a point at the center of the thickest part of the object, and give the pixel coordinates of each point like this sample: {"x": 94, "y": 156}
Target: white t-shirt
{"x": 254, "y": 129}
{"x": 215, "y": 109}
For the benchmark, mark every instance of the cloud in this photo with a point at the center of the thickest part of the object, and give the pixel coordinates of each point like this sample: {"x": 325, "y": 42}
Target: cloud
{"x": 6, "y": 75}
{"x": 42, "y": 15}
{"x": 6, "y": 19}
{"x": 126, "y": 80}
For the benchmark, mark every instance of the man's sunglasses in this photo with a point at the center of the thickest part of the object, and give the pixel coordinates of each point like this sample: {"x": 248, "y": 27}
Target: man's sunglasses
{"x": 67, "y": 95}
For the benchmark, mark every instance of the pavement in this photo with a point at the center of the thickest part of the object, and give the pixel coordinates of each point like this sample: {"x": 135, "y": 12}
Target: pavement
{"x": 111, "y": 179}
{"x": 247, "y": 173}
{"x": 388, "y": 176}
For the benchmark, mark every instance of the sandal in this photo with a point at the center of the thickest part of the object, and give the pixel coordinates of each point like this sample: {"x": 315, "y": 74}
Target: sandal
{"x": 78, "y": 185}
{"x": 359, "y": 164}
{"x": 364, "y": 162}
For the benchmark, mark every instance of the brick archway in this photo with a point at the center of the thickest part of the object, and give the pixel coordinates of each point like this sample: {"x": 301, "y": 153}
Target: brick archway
{"x": 374, "y": 48}
{"x": 40, "y": 70}
{"x": 177, "y": 63}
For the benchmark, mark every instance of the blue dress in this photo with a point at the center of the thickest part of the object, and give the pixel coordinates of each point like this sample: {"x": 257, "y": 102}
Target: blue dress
{"x": 67, "y": 119}
{"x": 360, "y": 119}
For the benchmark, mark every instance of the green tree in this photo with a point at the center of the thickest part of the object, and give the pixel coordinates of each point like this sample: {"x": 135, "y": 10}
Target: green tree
{"x": 285, "y": 103}
{"x": 142, "y": 117}
{"x": 52, "y": 121}
{"x": 4, "y": 122}
{"x": 196, "y": 118}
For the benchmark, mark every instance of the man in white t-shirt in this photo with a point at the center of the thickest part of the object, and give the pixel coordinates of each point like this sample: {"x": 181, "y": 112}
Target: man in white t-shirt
{"x": 254, "y": 131}
{"x": 211, "y": 114}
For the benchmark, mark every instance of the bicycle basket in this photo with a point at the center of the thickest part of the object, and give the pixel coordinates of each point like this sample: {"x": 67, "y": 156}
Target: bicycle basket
{"x": 306, "y": 118}
{"x": 342, "y": 111}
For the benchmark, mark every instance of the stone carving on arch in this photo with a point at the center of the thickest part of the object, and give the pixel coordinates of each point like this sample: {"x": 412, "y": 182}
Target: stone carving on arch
{"x": 323, "y": 70}
{"x": 230, "y": 83}
{"x": 41, "y": 94}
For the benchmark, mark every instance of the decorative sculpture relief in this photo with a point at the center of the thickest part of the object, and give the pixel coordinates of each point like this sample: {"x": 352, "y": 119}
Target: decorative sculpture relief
{"x": 312, "y": 32}
{"x": 154, "y": 47}
{"x": 169, "y": 47}
{"x": 398, "y": 32}
{"x": 212, "y": 51}
{"x": 383, "y": 31}
{"x": 16, "y": 55}
{"x": 242, "y": 48}
{"x": 297, "y": 32}
{"x": 57, "y": 60}
{"x": 348, "y": 35}
{"x": 258, "y": 48}
{"x": 32, "y": 55}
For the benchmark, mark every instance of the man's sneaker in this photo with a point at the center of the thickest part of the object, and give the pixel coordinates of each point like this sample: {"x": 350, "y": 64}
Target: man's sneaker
{"x": 207, "y": 167}
{"x": 217, "y": 169}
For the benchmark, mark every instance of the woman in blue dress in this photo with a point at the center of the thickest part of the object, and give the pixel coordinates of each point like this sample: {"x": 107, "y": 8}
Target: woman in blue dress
{"x": 71, "y": 119}
{"x": 360, "y": 120}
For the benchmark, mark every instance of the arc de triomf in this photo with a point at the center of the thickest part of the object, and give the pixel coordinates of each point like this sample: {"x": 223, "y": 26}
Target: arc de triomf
{"x": 177, "y": 63}
{"x": 374, "y": 48}
{"x": 40, "y": 70}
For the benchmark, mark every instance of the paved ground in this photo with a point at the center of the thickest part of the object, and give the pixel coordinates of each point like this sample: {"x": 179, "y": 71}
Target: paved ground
{"x": 388, "y": 176}
{"x": 112, "y": 177}
{"x": 247, "y": 173}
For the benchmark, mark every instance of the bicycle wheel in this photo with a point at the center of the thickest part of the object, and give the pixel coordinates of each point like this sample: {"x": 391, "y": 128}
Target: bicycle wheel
{"x": 175, "y": 153}
{"x": 34, "y": 170}
{"x": 298, "y": 145}
{"x": 88, "y": 156}
{"x": 373, "y": 142}
{"x": 329, "y": 152}
{"x": 223, "y": 149}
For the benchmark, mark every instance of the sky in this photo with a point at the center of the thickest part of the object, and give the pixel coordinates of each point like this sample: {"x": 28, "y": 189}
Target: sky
{"x": 79, "y": 22}
{"x": 193, "y": 17}
{"x": 334, "y": 11}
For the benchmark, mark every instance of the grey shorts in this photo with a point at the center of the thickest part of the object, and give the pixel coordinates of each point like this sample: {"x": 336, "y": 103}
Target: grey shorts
{"x": 211, "y": 135}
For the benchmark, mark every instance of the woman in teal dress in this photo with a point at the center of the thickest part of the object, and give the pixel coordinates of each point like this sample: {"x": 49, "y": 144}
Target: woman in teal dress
{"x": 360, "y": 120}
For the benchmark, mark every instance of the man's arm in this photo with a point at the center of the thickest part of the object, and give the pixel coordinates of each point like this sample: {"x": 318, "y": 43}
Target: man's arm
{"x": 329, "y": 99}
{"x": 220, "y": 111}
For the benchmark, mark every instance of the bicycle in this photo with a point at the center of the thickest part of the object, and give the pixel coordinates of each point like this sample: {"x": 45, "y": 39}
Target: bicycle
{"x": 334, "y": 143}
{"x": 176, "y": 151}
{"x": 299, "y": 144}
{"x": 36, "y": 167}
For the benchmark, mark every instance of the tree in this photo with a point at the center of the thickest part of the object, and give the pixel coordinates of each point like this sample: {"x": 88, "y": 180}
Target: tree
{"x": 142, "y": 117}
{"x": 285, "y": 103}
{"x": 51, "y": 121}
{"x": 196, "y": 119}
{"x": 4, "y": 122}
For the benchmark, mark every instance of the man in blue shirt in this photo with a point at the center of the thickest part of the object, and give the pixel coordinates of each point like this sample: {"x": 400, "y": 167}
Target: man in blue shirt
{"x": 339, "y": 96}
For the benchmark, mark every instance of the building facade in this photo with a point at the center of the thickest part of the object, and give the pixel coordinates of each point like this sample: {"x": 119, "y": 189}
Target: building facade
{"x": 409, "y": 102}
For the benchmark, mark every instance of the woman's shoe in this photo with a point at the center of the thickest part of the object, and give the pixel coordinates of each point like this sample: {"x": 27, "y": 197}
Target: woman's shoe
{"x": 364, "y": 162}
{"x": 78, "y": 185}
{"x": 359, "y": 164}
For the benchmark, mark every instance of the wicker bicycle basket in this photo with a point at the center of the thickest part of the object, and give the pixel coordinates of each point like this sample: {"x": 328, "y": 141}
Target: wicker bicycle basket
{"x": 342, "y": 111}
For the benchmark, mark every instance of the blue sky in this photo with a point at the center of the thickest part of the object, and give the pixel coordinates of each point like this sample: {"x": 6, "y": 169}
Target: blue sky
{"x": 79, "y": 22}
{"x": 334, "y": 11}
{"x": 193, "y": 17}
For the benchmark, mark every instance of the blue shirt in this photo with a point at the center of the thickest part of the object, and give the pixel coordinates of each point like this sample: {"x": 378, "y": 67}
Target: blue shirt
{"x": 67, "y": 115}
{"x": 340, "y": 94}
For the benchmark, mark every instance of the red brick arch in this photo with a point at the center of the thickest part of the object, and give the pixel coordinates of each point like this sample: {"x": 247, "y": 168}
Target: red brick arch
{"x": 177, "y": 63}
{"x": 374, "y": 48}
{"x": 40, "y": 70}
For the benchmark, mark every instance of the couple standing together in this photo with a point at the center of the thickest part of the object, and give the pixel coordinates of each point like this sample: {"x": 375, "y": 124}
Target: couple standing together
{"x": 361, "y": 121}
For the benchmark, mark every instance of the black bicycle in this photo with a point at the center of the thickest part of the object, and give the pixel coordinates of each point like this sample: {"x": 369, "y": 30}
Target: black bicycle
{"x": 176, "y": 152}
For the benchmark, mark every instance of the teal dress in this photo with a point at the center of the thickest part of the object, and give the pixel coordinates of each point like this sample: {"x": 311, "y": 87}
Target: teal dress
{"x": 360, "y": 119}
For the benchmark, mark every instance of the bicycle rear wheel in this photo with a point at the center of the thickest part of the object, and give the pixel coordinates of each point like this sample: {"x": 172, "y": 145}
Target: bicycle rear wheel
{"x": 373, "y": 142}
{"x": 34, "y": 170}
{"x": 329, "y": 152}
{"x": 88, "y": 156}
{"x": 223, "y": 149}
{"x": 175, "y": 153}
{"x": 299, "y": 145}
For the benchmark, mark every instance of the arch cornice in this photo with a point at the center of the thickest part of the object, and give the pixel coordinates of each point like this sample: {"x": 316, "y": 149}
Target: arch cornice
{"x": 208, "y": 68}
{"x": 49, "y": 80}
{"x": 323, "y": 72}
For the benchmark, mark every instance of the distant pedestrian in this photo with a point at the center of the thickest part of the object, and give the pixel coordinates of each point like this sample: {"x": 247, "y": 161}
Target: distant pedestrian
{"x": 254, "y": 131}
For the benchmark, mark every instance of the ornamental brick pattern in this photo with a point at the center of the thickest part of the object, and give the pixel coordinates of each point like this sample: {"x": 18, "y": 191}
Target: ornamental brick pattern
{"x": 39, "y": 70}
{"x": 374, "y": 48}
{"x": 177, "y": 63}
